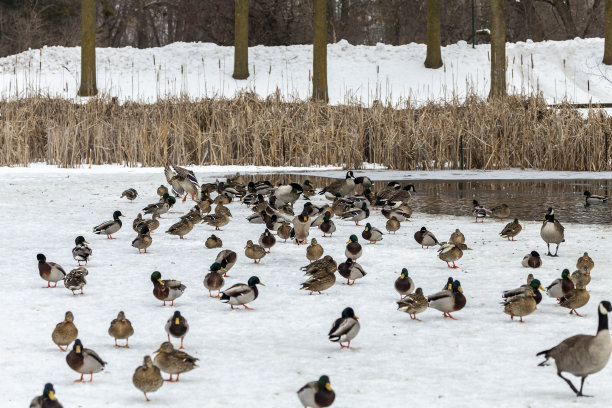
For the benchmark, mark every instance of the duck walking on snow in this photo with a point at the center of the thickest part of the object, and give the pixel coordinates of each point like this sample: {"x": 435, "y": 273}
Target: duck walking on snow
{"x": 81, "y": 252}
{"x": 108, "y": 228}
{"x": 50, "y": 271}
{"x": 84, "y": 361}
{"x": 317, "y": 394}
{"x": 241, "y": 294}
{"x": 345, "y": 328}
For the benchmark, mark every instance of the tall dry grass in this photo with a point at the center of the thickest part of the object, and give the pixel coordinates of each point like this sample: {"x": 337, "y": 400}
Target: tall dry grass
{"x": 515, "y": 132}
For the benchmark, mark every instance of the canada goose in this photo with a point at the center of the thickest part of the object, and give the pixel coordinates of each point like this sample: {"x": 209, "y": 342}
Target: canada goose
{"x": 288, "y": 193}
{"x": 592, "y": 198}
{"x": 425, "y": 238}
{"x": 511, "y": 230}
{"x": 552, "y": 231}
{"x": 317, "y": 394}
{"x": 344, "y": 187}
{"x": 479, "y": 211}
{"x": 532, "y": 260}
{"x": 582, "y": 354}
{"x": 362, "y": 183}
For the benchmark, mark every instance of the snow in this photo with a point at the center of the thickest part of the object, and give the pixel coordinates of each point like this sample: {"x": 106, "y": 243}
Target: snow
{"x": 560, "y": 70}
{"x": 260, "y": 358}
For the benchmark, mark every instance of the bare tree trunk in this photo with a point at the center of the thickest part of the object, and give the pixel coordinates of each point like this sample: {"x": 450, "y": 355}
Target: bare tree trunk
{"x": 88, "y": 48}
{"x": 241, "y": 39}
{"x": 562, "y": 7}
{"x": 319, "y": 51}
{"x": 498, "y": 50}
{"x": 607, "y": 59}
{"x": 434, "y": 54}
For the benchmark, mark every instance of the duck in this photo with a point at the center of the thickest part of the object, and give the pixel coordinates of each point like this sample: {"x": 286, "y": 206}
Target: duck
{"x": 404, "y": 285}
{"x": 344, "y": 187}
{"x": 139, "y": 222}
{"x": 84, "y": 361}
{"x": 161, "y": 207}
{"x": 581, "y": 277}
{"x": 178, "y": 327}
{"x": 130, "y": 194}
{"x": 357, "y": 214}
{"x": 314, "y": 251}
{"x": 413, "y": 304}
{"x": 449, "y": 284}
{"x": 48, "y": 400}
{"x": 301, "y": 226}
{"x": 448, "y": 300}
{"x": 575, "y": 299}
{"x": 173, "y": 361}
{"x": 450, "y": 252}
{"x": 320, "y": 280}
{"x": 143, "y": 240}
{"x": 532, "y": 283}
{"x": 560, "y": 287}
{"x": 345, "y": 328}
{"x": 75, "y": 279}
{"x": 194, "y": 215}
{"x": 585, "y": 260}
{"x": 216, "y": 221}
{"x": 532, "y": 260}
{"x": 177, "y": 189}
{"x": 214, "y": 280}
{"x": 227, "y": 258}
{"x": 328, "y": 226}
{"x": 457, "y": 237}
{"x": 213, "y": 242}
{"x": 187, "y": 180}
{"x": 284, "y": 231}
{"x": 325, "y": 264}
{"x": 372, "y": 234}
{"x": 267, "y": 240}
{"x": 161, "y": 190}
{"x": 479, "y": 211}
{"x": 166, "y": 290}
{"x": 241, "y": 293}
{"x": 520, "y": 305}
{"x": 351, "y": 270}
{"x": 221, "y": 209}
{"x": 353, "y": 248}
{"x": 147, "y": 377}
{"x": 205, "y": 203}
{"x": 425, "y": 238}
{"x": 288, "y": 193}
{"x": 501, "y": 211}
{"x": 308, "y": 188}
{"x": 81, "y": 252}
{"x": 582, "y": 354}
{"x": 511, "y": 230}
{"x": 389, "y": 211}
{"x": 121, "y": 328}
{"x": 317, "y": 394}
{"x": 392, "y": 225}
{"x": 108, "y": 228}
{"x": 593, "y": 198}
{"x": 324, "y": 212}
{"x": 404, "y": 195}
{"x": 552, "y": 232}
{"x": 181, "y": 228}
{"x": 254, "y": 251}
{"x": 65, "y": 332}
{"x": 50, "y": 271}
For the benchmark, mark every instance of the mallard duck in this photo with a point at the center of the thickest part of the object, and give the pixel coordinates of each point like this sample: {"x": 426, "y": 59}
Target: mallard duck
{"x": 48, "y": 400}
{"x": 479, "y": 211}
{"x": 81, "y": 252}
{"x": 136, "y": 224}
{"x": 449, "y": 284}
{"x": 457, "y": 237}
{"x": 254, "y": 251}
{"x": 585, "y": 260}
{"x": 520, "y": 305}
{"x": 161, "y": 190}
{"x": 501, "y": 211}
{"x": 450, "y": 252}
{"x": 108, "y": 228}
{"x": 121, "y": 328}
{"x": 221, "y": 209}
{"x": 372, "y": 234}
{"x": 575, "y": 299}
{"x": 187, "y": 180}
{"x": 532, "y": 260}
{"x": 194, "y": 215}
{"x": 397, "y": 213}
{"x": 592, "y": 198}
{"x": 166, "y": 290}
{"x": 344, "y": 187}
{"x": 353, "y": 248}
{"x": 227, "y": 258}
{"x": 177, "y": 189}
{"x": 214, "y": 280}
{"x": 173, "y": 361}
{"x": 425, "y": 238}
{"x": 328, "y": 226}
{"x": 267, "y": 240}
{"x": 532, "y": 283}
{"x": 319, "y": 281}
{"x": 324, "y": 212}
{"x": 308, "y": 189}
{"x": 552, "y": 231}
{"x": 216, "y": 221}
{"x": 447, "y": 300}
{"x": 288, "y": 193}
{"x": 143, "y": 240}
{"x": 413, "y": 304}
{"x": 284, "y": 231}
{"x": 139, "y": 222}
{"x": 181, "y": 228}
{"x": 75, "y": 279}
{"x": 351, "y": 270}
{"x": 147, "y": 377}
{"x": 404, "y": 284}
{"x": 205, "y": 203}
{"x": 84, "y": 361}
{"x": 325, "y": 264}
{"x": 314, "y": 251}
{"x": 581, "y": 277}
{"x": 560, "y": 287}
{"x": 213, "y": 242}
{"x": 345, "y": 328}
{"x": 161, "y": 207}
{"x": 301, "y": 226}
{"x": 392, "y": 225}
{"x": 177, "y": 327}
{"x": 260, "y": 187}
{"x": 511, "y": 230}
{"x": 241, "y": 294}
{"x": 362, "y": 183}
{"x": 130, "y": 194}
{"x": 317, "y": 394}
{"x": 65, "y": 332}
{"x": 357, "y": 214}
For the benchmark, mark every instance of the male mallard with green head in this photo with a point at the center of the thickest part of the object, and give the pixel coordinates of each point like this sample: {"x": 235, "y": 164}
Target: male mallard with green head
{"x": 372, "y": 234}
{"x": 108, "y": 228}
{"x": 404, "y": 284}
{"x": 267, "y": 240}
{"x": 50, "y": 271}
{"x": 241, "y": 294}
{"x": 532, "y": 260}
{"x": 593, "y": 198}
{"x": 177, "y": 327}
{"x": 121, "y": 328}
{"x": 357, "y": 214}
{"x": 327, "y": 226}
{"x": 47, "y": 399}
{"x": 532, "y": 283}
{"x": 425, "y": 238}
{"x": 317, "y": 394}
{"x": 81, "y": 252}
{"x": 166, "y": 290}
{"x": 345, "y": 328}
{"x": 448, "y": 301}
{"x": 173, "y": 361}
{"x": 65, "y": 332}
{"x": 301, "y": 226}
{"x": 560, "y": 287}
{"x": 353, "y": 248}
{"x": 351, "y": 270}
{"x": 84, "y": 361}
{"x": 147, "y": 377}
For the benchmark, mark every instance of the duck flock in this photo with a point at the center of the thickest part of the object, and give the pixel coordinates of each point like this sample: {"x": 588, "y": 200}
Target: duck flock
{"x": 331, "y": 227}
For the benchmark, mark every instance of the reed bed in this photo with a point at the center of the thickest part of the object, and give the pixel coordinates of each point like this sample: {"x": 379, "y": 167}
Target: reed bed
{"x": 514, "y": 132}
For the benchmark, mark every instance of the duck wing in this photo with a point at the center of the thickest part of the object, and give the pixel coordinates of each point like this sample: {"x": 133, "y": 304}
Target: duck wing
{"x": 237, "y": 290}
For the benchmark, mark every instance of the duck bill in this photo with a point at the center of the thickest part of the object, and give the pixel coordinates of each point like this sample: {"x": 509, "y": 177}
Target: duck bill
{"x": 157, "y": 351}
{"x": 328, "y": 387}
{"x": 177, "y": 321}
{"x": 51, "y": 395}
{"x": 261, "y": 284}
{"x": 160, "y": 281}
{"x": 86, "y": 242}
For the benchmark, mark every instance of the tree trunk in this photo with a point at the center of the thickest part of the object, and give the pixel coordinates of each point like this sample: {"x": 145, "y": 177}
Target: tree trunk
{"x": 434, "y": 54}
{"x": 319, "y": 51}
{"x": 607, "y": 59}
{"x": 241, "y": 39}
{"x": 498, "y": 50}
{"x": 562, "y": 7}
{"x": 88, "y": 48}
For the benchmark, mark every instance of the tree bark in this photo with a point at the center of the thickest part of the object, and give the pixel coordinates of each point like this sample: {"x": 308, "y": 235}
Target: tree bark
{"x": 241, "y": 39}
{"x": 562, "y": 7}
{"x": 88, "y": 48}
{"x": 434, "y": 53}
{"x": 319, "y": 51}
{"x": 607, "y": 59}
{"x": 498, "y": 50}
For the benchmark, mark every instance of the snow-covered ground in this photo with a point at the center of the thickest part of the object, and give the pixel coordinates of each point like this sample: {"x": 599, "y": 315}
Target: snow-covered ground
{"x": 260, "y": 358}
{"x": 561, "y": 70}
